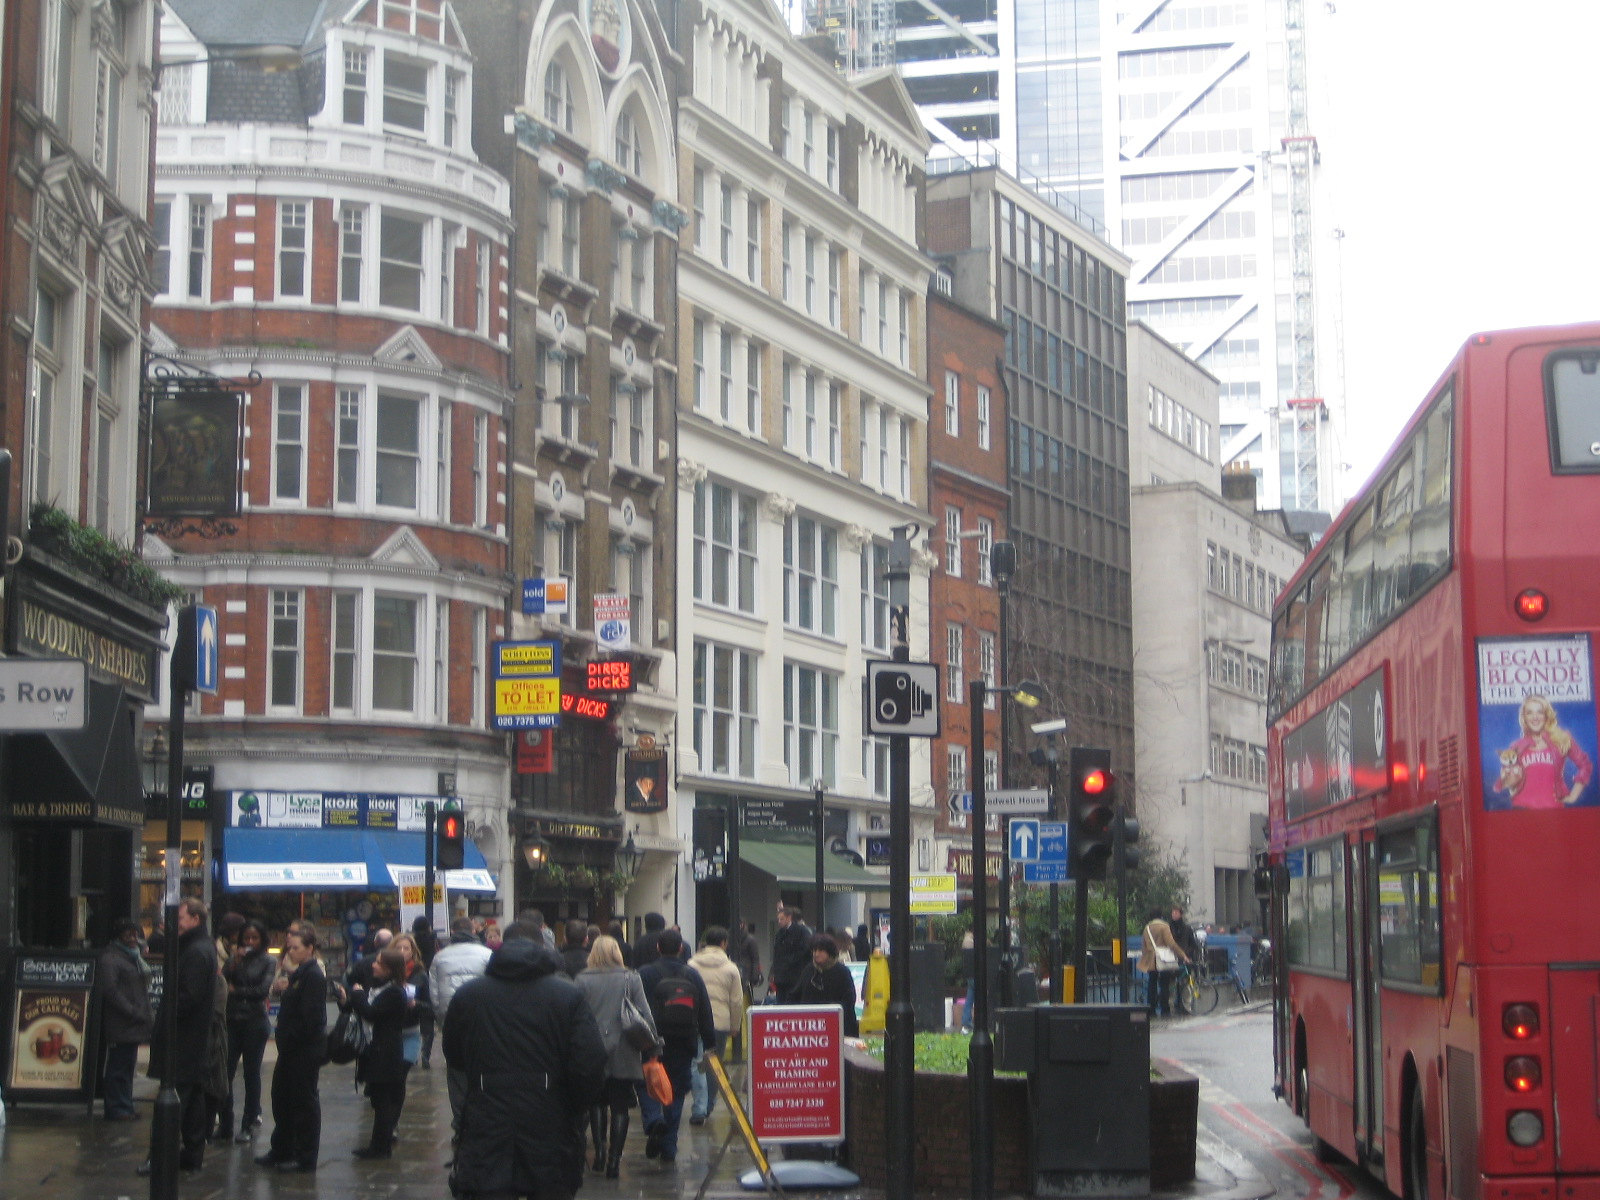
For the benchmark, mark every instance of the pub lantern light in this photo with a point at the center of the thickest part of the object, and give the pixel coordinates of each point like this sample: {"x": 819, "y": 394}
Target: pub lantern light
{"x": 629, "y": 858}
{"x": 536, "y": 851}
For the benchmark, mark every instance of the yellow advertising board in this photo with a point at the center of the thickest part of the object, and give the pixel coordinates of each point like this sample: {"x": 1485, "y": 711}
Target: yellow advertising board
{"x": 933, "y": 894}
{"x": 526, "y": 697}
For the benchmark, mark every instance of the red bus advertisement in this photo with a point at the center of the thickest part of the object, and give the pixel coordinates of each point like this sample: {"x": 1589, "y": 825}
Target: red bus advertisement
{"x": 1434, "y": 813}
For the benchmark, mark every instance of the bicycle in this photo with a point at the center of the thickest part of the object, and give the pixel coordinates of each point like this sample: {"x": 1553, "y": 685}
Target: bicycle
{"x": 1202, "y": 992}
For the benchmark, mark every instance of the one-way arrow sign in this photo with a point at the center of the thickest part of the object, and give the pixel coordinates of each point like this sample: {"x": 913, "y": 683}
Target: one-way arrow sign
{"x": 1024, "y": 839}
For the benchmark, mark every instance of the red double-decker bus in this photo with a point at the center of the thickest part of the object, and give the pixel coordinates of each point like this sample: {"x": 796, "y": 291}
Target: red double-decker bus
{"x": 1434, "y": 816}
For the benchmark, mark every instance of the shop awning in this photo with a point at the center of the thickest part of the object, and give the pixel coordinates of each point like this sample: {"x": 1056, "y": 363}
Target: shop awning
{"x": 86, "y": 778}
{"x": 392, "y": 849}
{"x": 299, "y": 860}
{"x": 293, "y": 860}
{"x": 795, "y": 863}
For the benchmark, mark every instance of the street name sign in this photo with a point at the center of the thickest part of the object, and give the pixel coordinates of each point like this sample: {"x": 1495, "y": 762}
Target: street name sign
{"x": 42, "y": 693}
{"x": 1006, "y": 800}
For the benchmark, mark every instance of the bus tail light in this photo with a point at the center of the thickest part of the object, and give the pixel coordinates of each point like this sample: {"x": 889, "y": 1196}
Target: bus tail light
{"x": 1532, "y": 604}
{"x": 1525, "y": 1128}
{"x": 1522, "y": 1073}
{"x": 1520, "y": 1021}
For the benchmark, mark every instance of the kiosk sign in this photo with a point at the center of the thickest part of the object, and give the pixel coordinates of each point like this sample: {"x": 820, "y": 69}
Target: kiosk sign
{"x": 796, "y": 1076}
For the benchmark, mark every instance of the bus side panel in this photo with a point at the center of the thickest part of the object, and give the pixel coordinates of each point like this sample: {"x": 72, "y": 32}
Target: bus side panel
{"x": 1572, "y": 1073}
{"x": 1324, "y": 1011}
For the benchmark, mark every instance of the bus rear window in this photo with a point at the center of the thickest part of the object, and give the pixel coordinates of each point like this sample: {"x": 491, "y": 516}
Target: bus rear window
{"x": 1572, "y": 384}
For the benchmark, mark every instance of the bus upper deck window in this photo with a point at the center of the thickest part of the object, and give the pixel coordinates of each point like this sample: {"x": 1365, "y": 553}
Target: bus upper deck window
{"x": 1573, "y": 405}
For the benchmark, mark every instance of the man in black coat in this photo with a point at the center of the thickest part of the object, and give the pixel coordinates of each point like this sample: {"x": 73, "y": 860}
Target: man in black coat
{"x": 791, "y": 952}
{"x": 575, "y": 954}
{"x": 646, "y": 950}
{"x": 1183, "y": 934}
{"x": 360, "y": 973}
{"x": 533, "y": 1060}
{"x": 195, "y": 999}
{"x": 302, "y": 1036}
{"x": 681, "y": 1038}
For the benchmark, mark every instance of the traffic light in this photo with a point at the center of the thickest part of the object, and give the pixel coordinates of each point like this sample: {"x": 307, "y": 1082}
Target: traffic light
{"x": 1126, "y": 845}
{"x": 451, "y": 833}
{"x": 1093, "y": 793}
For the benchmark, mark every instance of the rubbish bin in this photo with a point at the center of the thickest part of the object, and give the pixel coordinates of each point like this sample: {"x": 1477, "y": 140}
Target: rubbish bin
{"x": 1089, "y": 1094}
{"x": 927, "y": 987}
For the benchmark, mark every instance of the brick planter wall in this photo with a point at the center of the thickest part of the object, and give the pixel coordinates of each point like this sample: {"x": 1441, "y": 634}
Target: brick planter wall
{"x": 942, "y": 1123}
{"x": 1174, "y": 1115}
{"x": 940, "y": 1112}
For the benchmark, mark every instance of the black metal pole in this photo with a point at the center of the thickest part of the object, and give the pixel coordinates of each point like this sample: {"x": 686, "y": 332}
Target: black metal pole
{"x": 1120, "y": 867}
{"x": 1080, "y": 935}
{"x": 430, "y": 824}
{"x": 980, "y": 1052}
{"x": 817, "y": 795}
{"x": 1008, "y": 966}
{"x": 169, "y": 1108}
{"x": 899, "y": 1048}
{"x": 1057, "y": 994}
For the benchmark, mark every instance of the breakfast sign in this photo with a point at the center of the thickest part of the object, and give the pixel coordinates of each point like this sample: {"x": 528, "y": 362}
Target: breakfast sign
{"x": 52, "y": 1044}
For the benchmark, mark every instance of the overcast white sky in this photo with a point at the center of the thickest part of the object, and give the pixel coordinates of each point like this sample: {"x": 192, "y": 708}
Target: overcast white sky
{"x": 1461, "y": 157}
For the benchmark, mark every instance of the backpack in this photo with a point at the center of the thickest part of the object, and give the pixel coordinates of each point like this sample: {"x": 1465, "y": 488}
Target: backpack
{"x": 677, "y": 1007}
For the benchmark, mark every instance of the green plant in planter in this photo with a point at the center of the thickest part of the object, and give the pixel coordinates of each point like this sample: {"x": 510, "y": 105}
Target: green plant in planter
{"x": 553, "y": 875}
{"x": 581, "y": 877}
{"x": 91, "y": 552}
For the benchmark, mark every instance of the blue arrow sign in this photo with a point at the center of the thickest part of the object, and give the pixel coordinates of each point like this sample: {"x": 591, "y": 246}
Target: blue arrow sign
{"x": 205, "y": 649}
{"x": 1024, "y": 840}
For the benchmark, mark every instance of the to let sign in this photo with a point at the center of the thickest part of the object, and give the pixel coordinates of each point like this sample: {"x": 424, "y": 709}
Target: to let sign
{"x": 796, "y": 1074}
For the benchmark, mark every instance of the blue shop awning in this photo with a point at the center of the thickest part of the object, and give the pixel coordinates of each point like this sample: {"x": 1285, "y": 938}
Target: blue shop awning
{"x": 295, "y": 860}
{"x": 390, "y": 849}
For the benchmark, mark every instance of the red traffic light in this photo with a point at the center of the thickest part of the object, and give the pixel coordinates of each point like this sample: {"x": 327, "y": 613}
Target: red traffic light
{"x": 1094, "y": 782}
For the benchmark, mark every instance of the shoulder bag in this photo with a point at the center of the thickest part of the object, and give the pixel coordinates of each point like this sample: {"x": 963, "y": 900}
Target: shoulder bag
{"x": 636, "y": 1028}
{"x": 350, "y": 1038}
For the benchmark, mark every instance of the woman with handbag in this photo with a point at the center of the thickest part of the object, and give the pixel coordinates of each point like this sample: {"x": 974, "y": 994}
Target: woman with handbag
{"x": 417, "y": 1035}
{"x": 382, "y": 1067}
{"x": 621, "y": 1010}
{"x": 1160, "y": 959}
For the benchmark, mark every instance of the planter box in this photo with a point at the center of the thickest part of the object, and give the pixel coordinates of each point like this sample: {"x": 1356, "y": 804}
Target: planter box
{"x": 1174, "y": 1116}
{"x": 941, "y": 1116}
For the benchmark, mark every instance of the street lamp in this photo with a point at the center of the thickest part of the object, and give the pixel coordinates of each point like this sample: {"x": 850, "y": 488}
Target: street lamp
{"x": 628, "y": 858}
{"x": 1003, "y": 566}
{"x": 536, "y": 851}
{"x": 980, "y": 1051}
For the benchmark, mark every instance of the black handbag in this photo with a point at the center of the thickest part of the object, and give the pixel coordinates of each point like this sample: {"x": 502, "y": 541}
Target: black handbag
{"x": 636, "y": 1028}
{"x": 350, "y": 1038}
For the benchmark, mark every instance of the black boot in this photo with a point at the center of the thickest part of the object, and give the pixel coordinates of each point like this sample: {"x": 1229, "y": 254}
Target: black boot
{"x": 597, "y": 1129}
{"x": 619, "y": 1135}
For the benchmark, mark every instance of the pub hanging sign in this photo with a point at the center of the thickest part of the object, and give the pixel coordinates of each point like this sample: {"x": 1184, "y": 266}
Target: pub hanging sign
{"x": 194, "y": 453}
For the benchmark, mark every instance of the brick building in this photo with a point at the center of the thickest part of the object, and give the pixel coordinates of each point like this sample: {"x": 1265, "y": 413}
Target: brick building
{"x": 573, "y": 105}
{"x": 321, "y": 218}
{"x": 970, "y": 500}
{"x": 75, "y": 117}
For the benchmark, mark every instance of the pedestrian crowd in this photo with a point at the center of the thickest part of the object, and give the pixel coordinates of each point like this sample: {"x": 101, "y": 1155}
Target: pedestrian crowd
{"x": 547, "y": 1051}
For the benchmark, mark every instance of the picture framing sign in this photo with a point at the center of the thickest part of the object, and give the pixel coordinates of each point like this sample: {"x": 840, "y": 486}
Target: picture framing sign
{"x": 796, "y": 1074}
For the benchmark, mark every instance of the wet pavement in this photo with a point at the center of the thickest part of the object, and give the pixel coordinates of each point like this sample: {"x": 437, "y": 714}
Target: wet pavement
{"x": 57, "y": 1152}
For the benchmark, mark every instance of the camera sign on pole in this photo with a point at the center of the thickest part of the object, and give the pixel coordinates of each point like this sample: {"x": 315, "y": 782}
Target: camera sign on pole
{"x": 903, "y": 698}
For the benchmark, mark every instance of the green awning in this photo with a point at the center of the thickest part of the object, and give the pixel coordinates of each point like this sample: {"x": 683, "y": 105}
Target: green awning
{"x": 795, "y": 863}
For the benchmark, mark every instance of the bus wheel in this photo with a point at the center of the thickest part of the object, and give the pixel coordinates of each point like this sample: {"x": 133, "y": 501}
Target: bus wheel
{"x": 1416, "y": 1149}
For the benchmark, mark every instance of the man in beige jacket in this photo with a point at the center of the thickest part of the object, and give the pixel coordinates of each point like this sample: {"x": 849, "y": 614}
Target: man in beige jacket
{"x": 725, "y": 986}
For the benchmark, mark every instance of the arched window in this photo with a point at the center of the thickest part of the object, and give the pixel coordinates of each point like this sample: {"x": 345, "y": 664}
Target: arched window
{"x": 630, "y": 155}
{"x": 558, "y": 107}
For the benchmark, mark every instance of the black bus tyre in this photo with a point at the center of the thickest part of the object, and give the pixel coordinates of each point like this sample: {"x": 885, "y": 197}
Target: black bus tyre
{"x": 1416, "y": 1181}
{"x": 1206, "y": 1001}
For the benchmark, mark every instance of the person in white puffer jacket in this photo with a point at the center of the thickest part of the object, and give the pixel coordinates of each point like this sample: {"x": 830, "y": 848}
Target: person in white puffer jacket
{"x": 465, "y": 958}
{"x": 725, "y": 986}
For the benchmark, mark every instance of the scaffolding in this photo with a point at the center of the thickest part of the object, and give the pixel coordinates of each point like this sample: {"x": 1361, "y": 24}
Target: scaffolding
{"x": 1309, "y": 413}
{"x": 862, "y": 31}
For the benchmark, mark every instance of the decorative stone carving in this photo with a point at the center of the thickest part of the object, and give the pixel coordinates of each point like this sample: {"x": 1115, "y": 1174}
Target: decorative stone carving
{"x": 690, "y": 474}
{"x": 778, "y": 508}
{"x": 605, "y": 176}
{"x": 923, "y": 560}
{"x": 532, "y": 134}
{"x": 59, "y": 229}
{"x": 669, "y": 216}
{"x": 857, "y": 536}
{"x": 119, "y": 288}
